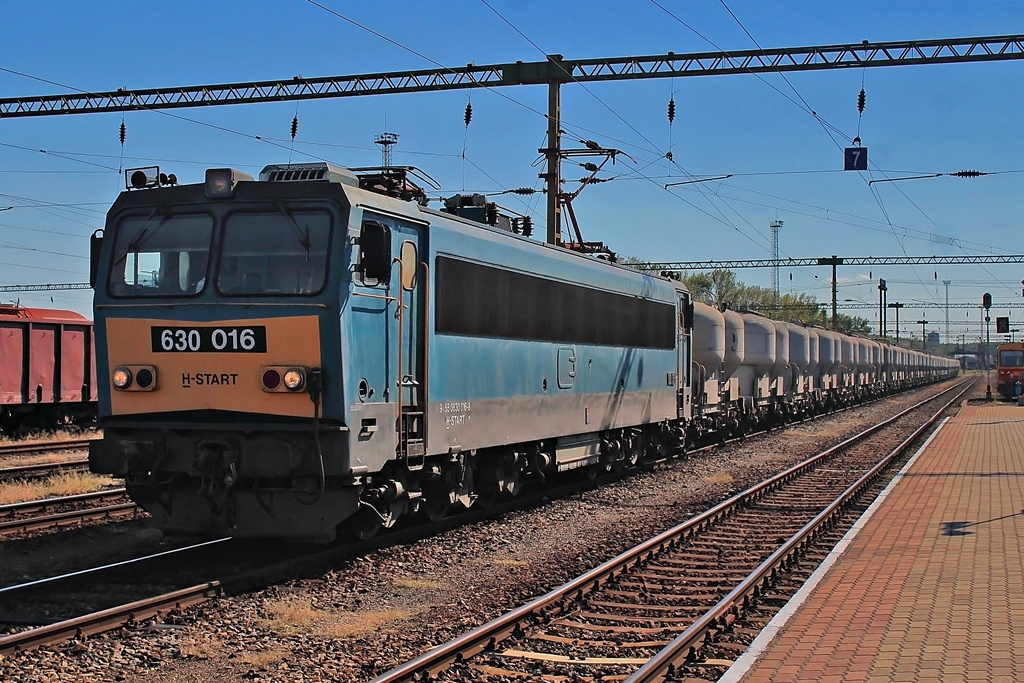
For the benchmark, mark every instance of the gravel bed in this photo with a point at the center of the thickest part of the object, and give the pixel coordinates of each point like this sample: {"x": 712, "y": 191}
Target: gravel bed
{"x": 382, "y": 609}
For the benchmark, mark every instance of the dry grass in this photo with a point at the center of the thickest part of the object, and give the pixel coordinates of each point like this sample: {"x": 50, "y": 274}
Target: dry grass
{"x": 69, "y": 434}
{"x": 292, "y": 617}
{"x": 63, "y": 484}
{"x": 720, "y": 478}
{"x": 199, "y": 647}
{"x": 263, "y": 658}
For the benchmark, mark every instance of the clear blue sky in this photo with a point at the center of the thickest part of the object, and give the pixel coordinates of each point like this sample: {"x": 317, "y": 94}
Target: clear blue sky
{"x": 785, "y": 166}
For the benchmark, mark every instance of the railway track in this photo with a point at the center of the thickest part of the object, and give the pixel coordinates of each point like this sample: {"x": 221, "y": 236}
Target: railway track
{"x": 34, "y": 447}
{"x": 214, "y": 581}
{"x": 52, "y": 513}
{"x": 677, "y": 606}
{"x": 42, "y": 470}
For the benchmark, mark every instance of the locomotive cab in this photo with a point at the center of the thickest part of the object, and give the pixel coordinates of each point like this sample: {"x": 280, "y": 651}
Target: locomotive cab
{"x": 214, "y": 305}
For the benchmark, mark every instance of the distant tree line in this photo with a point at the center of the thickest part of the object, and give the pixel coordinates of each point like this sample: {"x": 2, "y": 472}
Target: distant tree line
{"x": 723, "y": 290}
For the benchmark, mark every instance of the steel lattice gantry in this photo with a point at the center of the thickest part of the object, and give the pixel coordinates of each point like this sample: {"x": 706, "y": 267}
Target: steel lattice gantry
{"x": 833, "y": 261}
{"x": 553, "y": 73}
{"x": 846, "y": 261}
{"x": 65, "y": 286}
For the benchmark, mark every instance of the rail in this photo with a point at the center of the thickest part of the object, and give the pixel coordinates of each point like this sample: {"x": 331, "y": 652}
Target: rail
{"x": 560, "y": 599}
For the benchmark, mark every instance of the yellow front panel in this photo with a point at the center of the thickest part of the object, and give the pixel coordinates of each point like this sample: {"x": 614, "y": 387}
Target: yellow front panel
{"x": 197, "y": 380}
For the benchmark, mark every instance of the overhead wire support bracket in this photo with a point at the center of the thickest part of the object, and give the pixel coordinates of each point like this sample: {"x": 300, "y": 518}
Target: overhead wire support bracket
{"x": 911, "y": 177}
{"x": 699, "y": 180}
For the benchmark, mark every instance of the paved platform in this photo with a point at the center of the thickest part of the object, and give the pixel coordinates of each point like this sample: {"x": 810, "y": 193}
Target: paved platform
{"x": 929, "y": 586}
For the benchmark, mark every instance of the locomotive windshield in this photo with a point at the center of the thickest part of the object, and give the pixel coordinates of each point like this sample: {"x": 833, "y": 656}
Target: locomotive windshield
{"x": 1011, "y": 359}
{"x": 281, "y": 252}
{"x": 274, "y": 253}
{"x": 161, "y": 255}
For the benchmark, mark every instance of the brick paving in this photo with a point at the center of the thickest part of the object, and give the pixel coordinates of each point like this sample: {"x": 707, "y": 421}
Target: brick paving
{"x": 931, "y": 587}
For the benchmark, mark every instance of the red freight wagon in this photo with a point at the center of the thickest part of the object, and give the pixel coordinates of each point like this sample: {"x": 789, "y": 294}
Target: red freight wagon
{"x": 47, "y": 369}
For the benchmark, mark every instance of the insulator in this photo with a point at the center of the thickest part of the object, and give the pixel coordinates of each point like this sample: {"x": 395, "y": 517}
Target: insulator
{"x": 861, "y": 99}
{"x": 671, "y": 110}
{"x": 590, "y": 144}
{"x": 124, "y": 133}
{"x": 527, "y": 226}
{"x": 469, "y": 113}
{"x": 968, "y": 174}
{"x": 525, "y": 191}
{"x": 295, "y": 126}
{"x": 588, "y": 166}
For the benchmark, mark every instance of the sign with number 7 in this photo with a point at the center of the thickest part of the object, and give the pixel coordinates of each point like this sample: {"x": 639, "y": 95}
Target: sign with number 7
{"x": 856, "y": 159}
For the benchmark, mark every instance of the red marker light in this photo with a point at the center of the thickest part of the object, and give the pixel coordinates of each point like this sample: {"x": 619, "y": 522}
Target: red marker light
{"x": 271, "y": 379}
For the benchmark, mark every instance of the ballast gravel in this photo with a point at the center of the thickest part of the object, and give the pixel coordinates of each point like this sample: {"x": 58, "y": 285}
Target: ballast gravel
{"x": 382, "y": 609}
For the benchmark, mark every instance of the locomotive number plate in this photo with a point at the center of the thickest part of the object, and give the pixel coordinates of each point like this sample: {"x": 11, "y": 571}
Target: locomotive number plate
{"x": 248, "y": 339}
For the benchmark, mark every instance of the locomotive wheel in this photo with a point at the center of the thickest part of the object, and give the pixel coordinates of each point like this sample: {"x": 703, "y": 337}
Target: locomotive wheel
{"x": 367, "y": 523}
{"x": 511, "y": 484}
{"x": 436, "y": 502}
{"x": 633, "y": 452}
{"x": 485, "y": 498}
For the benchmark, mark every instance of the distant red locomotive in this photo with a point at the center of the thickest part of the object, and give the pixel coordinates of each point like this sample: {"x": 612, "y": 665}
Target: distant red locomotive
{"x": 47, "y": 369}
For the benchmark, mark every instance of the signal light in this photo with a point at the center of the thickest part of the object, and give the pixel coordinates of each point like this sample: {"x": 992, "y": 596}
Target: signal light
{"x": 134, "y": 378}
{"x": 271, "y": 379}
{"x": 144, "y": 378}
{"x": 283, "y": 378}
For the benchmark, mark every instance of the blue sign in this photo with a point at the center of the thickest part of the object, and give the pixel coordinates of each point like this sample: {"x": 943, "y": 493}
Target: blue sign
{"x": 855, "y": 159}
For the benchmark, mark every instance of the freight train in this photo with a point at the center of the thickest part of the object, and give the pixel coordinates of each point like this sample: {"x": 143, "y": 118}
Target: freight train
{"x": 318, "y": 351}
{"x": 47, "y": 369}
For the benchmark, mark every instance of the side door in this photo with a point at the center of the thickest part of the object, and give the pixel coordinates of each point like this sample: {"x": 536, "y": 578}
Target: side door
{"x": 410, "y": 335}
{"x": 684, "y": 329}
{"x": 391, "y": 251}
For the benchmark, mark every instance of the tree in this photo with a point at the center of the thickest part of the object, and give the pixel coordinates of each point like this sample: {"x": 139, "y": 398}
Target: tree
{"x": 722, "y": 289}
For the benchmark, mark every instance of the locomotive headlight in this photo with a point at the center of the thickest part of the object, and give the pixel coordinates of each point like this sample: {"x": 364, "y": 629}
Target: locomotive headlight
{"x": 122, "y": 378}
{"x": 220, "y": 182}
{"x": 294, "y": 379}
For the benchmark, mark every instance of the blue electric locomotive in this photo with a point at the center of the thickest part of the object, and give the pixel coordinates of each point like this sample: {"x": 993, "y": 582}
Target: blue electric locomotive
{"x": 318, "y": 351}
